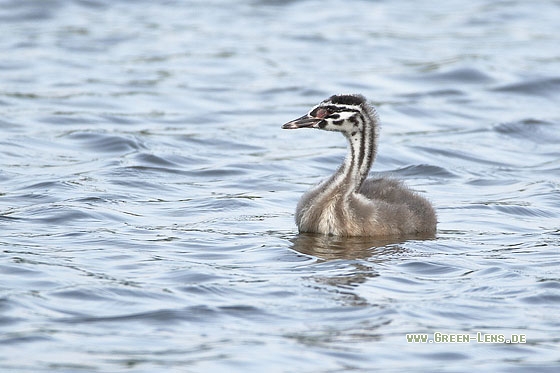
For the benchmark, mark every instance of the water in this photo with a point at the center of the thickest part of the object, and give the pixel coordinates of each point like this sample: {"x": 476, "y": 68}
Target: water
{"x": 147, "y": 190}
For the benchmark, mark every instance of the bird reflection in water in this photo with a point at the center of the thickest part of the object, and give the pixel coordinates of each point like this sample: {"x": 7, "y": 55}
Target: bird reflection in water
{"x": 329, "y": 247}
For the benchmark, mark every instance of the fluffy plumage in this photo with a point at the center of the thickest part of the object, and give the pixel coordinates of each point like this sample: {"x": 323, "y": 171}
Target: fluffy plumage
{"x": 347, "y": 203}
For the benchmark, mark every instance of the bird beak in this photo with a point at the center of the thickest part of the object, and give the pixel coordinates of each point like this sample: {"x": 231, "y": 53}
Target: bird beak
{"x": 305, "y": 121}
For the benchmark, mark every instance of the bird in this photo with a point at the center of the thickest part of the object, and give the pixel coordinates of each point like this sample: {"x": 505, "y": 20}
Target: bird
{"x": 348, "y": 203}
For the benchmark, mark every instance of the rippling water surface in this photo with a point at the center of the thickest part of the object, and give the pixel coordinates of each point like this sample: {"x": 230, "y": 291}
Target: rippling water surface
{"x": 147, "y": 191}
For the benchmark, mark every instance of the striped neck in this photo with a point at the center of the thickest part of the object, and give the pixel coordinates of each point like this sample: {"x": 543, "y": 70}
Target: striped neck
{"x": 355, "y": 169}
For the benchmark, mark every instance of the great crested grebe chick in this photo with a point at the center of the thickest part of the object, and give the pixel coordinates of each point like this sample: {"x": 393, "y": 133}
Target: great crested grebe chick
{"x": 348, "y": 204}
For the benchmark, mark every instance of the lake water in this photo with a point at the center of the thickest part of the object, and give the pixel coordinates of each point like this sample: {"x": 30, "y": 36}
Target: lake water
{"x": 147, "y": 191}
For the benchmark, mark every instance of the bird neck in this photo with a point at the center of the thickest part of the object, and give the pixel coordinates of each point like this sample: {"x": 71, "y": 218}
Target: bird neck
{"x": 361, "y": 153}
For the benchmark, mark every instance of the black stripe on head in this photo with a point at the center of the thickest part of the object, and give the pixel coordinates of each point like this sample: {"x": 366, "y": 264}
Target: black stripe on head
{"x": 332, "y": 109}
{"x": 347, "y": 100}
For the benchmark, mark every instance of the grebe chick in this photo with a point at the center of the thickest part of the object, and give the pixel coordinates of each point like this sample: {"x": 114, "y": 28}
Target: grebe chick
{"x": 346, "y": 204}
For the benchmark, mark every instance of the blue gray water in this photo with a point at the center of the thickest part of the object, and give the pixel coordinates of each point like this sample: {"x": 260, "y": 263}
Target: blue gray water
{"x": 147, "y": 191}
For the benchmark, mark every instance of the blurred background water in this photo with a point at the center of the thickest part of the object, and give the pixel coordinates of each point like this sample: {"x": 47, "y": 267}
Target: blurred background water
{"x": 147, "y": 191}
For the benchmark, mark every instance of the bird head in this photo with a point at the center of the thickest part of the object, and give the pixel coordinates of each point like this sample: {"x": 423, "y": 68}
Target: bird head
{"x": 341, "y": 113}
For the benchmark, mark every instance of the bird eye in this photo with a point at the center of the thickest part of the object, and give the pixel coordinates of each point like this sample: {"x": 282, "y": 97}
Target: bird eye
{"x": 322, "y": 113}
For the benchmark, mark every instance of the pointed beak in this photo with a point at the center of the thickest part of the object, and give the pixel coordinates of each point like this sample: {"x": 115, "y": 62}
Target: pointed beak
{"x": 305, "y": 121}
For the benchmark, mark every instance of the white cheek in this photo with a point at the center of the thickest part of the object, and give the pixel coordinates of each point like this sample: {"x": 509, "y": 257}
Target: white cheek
{"x": 345, "y": 116}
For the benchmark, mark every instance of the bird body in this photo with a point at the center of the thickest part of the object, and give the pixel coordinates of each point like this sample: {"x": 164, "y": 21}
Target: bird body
{"x": 347, "y": 203}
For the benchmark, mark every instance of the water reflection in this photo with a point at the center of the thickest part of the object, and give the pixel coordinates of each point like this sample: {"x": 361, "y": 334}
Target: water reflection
{"x": 335, "y": 247}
